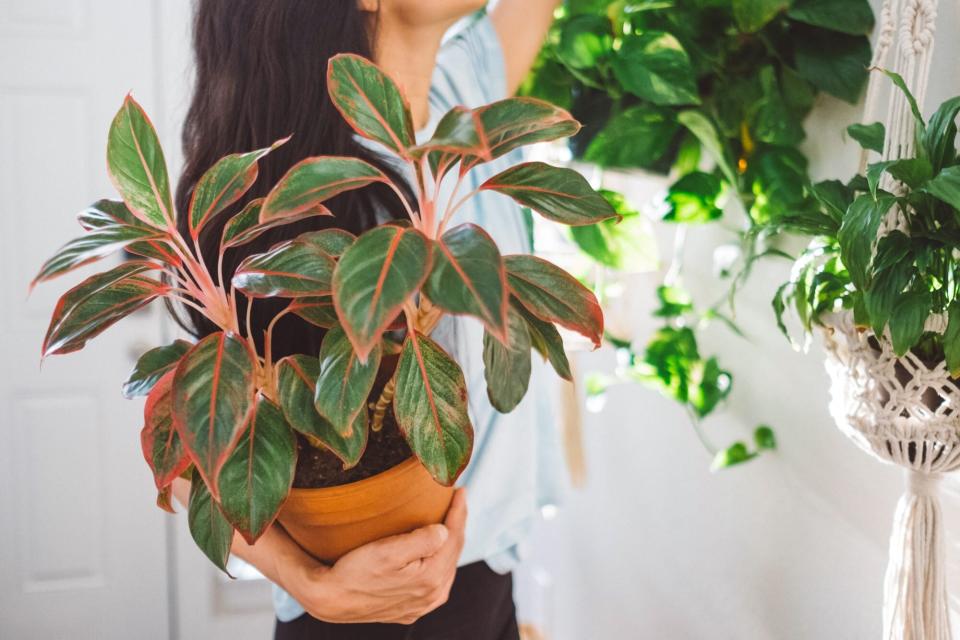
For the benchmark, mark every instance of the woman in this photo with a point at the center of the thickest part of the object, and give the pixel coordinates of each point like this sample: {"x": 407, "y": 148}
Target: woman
{"x": 260, "y": 76}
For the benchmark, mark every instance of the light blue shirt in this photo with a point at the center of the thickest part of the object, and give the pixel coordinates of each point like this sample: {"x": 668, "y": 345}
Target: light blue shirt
{"x": 517, "y": 465}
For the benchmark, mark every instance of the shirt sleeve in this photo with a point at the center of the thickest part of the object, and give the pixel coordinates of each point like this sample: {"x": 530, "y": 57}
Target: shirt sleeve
{"x": 470, "y": 67}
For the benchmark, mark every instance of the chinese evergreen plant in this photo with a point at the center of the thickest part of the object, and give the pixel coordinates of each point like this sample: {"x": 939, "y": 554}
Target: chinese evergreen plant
{"x": 663, "y": 85}
{"x": 223, "y": 414}
{"x": 911, "y": 273}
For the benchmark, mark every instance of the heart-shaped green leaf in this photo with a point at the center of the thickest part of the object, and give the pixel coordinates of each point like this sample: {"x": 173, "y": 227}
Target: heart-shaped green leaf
{"x": 371, "y": 102}
{"x": 213, "y": 393}
{"x": 298, "y": 379}
{"x": 556, "y": 193}
{"x": 95, "y": 304}
{"x": 468, "y": 277}
{"x": 752, "y": 15}
{"x": 223, "y": 184}
{"x": 317, "y": 311}
{"x": 137, "y": 168}
{"x": 94, "y": 245}
{"x": 291, "y": 269}
{"x": 553, "y": 295}
{"x": 506, "y": 368}
{"x": 654, "y": 66}
{"x": 153, "y": 365}
{"x": 833, "y": 62}
{"x": 246, "y": 227}
{"x": 312, "y": 181}
{"x": 431, "y": 408}
{"x": 162, "y": 447}
{"x": 333, "y": 242}
{"x": 848, "y": 16}
{"x": 257, "y": 477}
{"x": 545, "y": 338}
{"x": 374, "y": 277}
{"x": 210, "y": 529}
{"x": 650, "y": 129}
{"x": 344, "y": 383}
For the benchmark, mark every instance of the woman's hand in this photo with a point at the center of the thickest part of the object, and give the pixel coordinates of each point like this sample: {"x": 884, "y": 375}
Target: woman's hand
{"x": 397, "y": 579}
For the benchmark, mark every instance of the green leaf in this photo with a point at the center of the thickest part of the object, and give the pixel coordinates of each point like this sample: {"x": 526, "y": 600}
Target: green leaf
{"x": 317, "y": 311}
{"x": 907, "y": 320}
{"x": 911, "y": 171}
{"x": 693, "y": 199}
{"x": 223, "y": 184}
{"x": 257, "y": 477}
{"x": 152, "y": 366}
{"x": 833, "y": 62}
{"x": 764, "y": 438}
{"x": 753, "y": 15}
{"x": 858, "y": 234}
{"x": 137, "y": 168}
{"x": 848, "y": 16}
{"x": 431, "y": 408}
{"x": 209, "y": 528}
{"x": 735, "y": 454}
{"x": 213, "y": 393}
{"x": 584, "y": 41}
{"x": 291, "y": 269}
{"x": 892, "y": 277}
{"x": 162, "y": 447}
{"x": 772, "y": 120}
{"x": 649, "y": 129}
{"x": 558, "y": 194}
{"x": 90, "y": 247}
{"x": 371, "y": 102}
{"x": 94, "y": 305}
{"x": 700, "y": 126}
{"x": 545, "y": 338}
{"x": 344, "y": 383}
{"x": 939, "y": 138}
{"x": 835, "y": 198}
{"x": 468, "y": 277}
{"x": 951, "y": 339}
{"x": 628, "y": 246}
{"x": 297, "y": 387}
{"x": 899, "y": 82}
{"x": 312, "y": 181}
{"x": 654, "y": 66}
{"x": 870, "y": 136}
{"x": 675, "y": 301}
{"x": 946, "y": 186}
{"x": 374, "y": 277}
{"x": 553, "y": 295}
{"x": 459, "y": 132}
{"x": 246, "y": 227}
{"x": 506, "y": 368}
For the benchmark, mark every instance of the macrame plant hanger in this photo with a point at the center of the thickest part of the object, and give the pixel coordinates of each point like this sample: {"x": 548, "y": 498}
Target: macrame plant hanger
{"x": 900, "y": 409}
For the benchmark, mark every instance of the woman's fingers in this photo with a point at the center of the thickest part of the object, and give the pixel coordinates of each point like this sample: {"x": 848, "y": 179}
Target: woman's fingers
{"x": 403, "y": 549}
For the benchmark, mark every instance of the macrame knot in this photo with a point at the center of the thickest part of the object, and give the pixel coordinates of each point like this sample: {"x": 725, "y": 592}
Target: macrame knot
{"x": 923, "y": 484}
{"x": 917, "y": 26}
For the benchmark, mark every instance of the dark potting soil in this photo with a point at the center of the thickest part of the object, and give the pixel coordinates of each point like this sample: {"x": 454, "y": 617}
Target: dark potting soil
{"x": 318, "y": 468}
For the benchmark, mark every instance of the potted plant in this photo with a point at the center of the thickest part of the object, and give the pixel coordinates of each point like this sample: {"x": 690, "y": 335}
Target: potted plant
{"x": 228, "y": 417}
{"x": 881, "y": 279}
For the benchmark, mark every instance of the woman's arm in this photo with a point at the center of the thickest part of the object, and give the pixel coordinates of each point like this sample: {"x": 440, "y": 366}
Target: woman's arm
{"x": 397, "y": 579}
{"x": 522, "y": 25}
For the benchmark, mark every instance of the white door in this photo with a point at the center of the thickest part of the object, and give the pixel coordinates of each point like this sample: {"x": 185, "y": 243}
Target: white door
{"x": 82, "y": 546}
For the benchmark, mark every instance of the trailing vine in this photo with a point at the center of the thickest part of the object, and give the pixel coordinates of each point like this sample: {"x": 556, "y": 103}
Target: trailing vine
{"x": 712, "y": 93}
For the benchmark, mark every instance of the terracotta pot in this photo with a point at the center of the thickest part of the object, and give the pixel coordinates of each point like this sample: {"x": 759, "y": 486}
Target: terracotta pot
{"x": 332, "y": 521}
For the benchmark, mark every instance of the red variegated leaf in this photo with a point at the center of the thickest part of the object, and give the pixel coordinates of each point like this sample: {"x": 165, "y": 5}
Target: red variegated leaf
{"x": 507, "y": 367}
{"x": 165, "y": 499}
{"x": 459, "y": 132}
{"x": 333, "y": 242}
{"x": 317, "y": 311}
{"x": 468, "y": 277}
{"x": 297, "y": 386}
{"x": 553, "y": 295}
{"x": 223, "y": 184}
{"x": 212, "y": 532}
{"x": 545, "y": 338}
{"x": 137, "y": 168}
{"x": 95, "y": 304}
{"x": 104, "y": 213}
{"x": 153, "y": 365}
{"x": 246, "y": 226}
{"x": 371, "y": 102}
{"x": 431, "y": 408}
{"x": 162, "y": 447}
{"x": 558, "y": 194}
{"x": 315, "y": 180}
{"x": 344, "y": 383}
{"x": 213, "y": 392}
{"x": 256, "y": 478}
{"x": 291, "y": 269}
{"x": 374, "y": 277}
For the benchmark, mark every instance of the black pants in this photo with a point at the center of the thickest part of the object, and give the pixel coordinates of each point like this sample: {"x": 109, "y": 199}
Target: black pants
{"x": 480, "y": 607}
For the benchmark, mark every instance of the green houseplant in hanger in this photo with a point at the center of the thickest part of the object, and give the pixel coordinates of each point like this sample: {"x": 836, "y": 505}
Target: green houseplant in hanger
{"x": 713, "y": 94}
{"x": 227, "y": 415}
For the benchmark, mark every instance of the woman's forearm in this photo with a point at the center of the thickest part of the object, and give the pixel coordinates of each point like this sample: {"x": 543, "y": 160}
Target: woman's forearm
{"x": 522, "y": 25}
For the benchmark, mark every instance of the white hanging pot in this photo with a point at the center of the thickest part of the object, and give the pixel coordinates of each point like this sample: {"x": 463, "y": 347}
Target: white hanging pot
{"x": 906, "y": 412}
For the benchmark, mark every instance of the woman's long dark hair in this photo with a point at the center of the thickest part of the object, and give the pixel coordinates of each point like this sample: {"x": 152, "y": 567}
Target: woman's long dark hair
{"x": 260, "y": 76}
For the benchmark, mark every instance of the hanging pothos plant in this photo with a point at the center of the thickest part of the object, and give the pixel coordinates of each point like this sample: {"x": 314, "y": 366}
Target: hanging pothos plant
{"x": 712, "y": 93}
